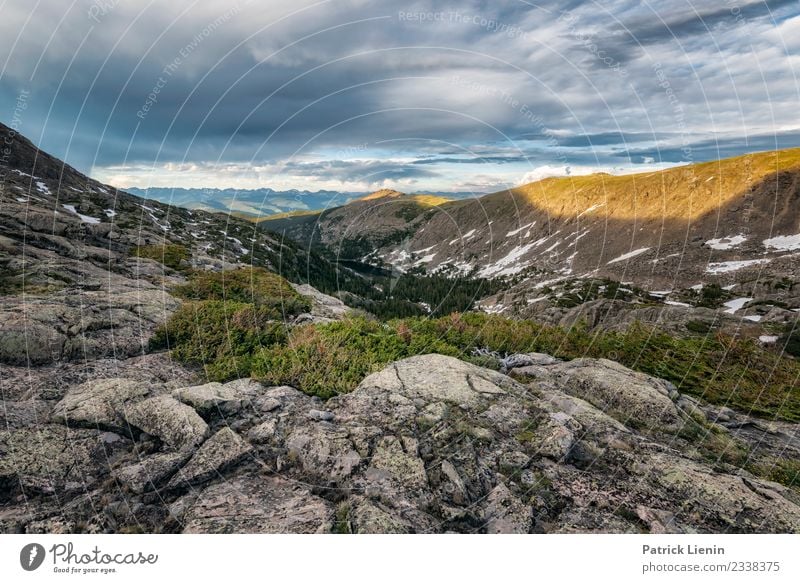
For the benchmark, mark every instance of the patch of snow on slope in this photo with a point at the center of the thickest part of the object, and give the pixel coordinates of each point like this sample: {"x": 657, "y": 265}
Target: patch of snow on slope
{"x": 508, "y": 265}
{"x": 726, "y": 243}
{"x": 783, "y": 243}
{"x": 592, "y": 208}
{"x": 494, "y": 309}
{"x": 728, "y": 266}
{"x": 423, "y": 260}
{"x": 766, "y": 339}
{"x": 463, "y": 237}
{"x": 84, "y": 218}
{"x": 629, "y": 255}
{"x": 522, "y": 228}
{"x": 735, "y": 305}
{"x": 42, "y": 187}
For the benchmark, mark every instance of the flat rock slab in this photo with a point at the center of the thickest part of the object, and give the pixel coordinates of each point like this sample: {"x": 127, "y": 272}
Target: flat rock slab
{"x": 633, "y": 398}
{"x": 211, "y": 399}
{"x": 434, "y": 377}
{"x": 258, "y": 504}
{"x": 99, "y": 404}
{"x": 221, "y": 450}
{"x": 177, "y": 425}
{"x": 152, "y": 471}
{"x": 51, "y": 459}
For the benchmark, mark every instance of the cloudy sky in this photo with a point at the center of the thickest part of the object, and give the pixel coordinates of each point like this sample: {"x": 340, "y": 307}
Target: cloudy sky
{"x": 419, "y": 96}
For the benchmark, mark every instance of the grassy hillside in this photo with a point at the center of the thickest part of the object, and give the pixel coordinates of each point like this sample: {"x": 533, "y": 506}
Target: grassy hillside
{"x": 685, "y": 192}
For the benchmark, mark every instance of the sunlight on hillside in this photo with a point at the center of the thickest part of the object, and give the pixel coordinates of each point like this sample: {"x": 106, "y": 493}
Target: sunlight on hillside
{"x": 686, "y": 192}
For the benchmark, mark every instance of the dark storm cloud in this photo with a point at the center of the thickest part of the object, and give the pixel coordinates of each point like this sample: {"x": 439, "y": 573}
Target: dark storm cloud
{"x": 721, "y": 147}
{"x": 373, "y": 171}
{"x": 416, "y": 84}
{"x": 693, "y": 20}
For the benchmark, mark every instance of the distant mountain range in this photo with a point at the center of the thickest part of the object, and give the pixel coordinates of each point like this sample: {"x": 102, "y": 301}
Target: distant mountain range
{"x": 256, "y": 202}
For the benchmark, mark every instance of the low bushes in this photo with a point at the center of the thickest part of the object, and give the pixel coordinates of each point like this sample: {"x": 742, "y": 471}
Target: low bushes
{"x": 229, "y": 317}
{"x": 253, "y": 285}
{"x": 172, "y": 256}
{"x": 329, "y": 359}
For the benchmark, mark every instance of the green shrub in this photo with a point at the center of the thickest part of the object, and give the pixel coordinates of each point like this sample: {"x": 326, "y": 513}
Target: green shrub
{"x": 220, "y": 336}
{"x": 698, "y": 326}
{"x": 712, "y": 296}
{"x": 253, "y": 285}
{"x": 170, "y": 255}
{"x": 790, "y": 341}
{"x": 333, "y": 358}
{"x": 785, "y": 471}
{"x": 235, "y": 338}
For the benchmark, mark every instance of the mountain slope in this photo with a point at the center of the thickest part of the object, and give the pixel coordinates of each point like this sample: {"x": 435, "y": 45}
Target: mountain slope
{"x": 85, "y": 268}
{"x": 669, "y": 228}
{"x": 353, "y": 230}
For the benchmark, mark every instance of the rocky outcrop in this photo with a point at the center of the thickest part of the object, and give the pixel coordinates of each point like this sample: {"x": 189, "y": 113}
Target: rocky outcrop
{"x": 222, "y": 450}
{"x": 99, "y": 404}
{"x": 428, "y": 444}
{"x": 324, "y": 308}
{"x": 177, "y": 425}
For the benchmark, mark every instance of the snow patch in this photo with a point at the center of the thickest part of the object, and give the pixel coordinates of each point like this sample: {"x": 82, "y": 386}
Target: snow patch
{"x": 629, "y": 255}
{"x": 726, "y": 243}
{"x": 84, "y": 218}
{"x": 768, "y": 339}
{"x": 735, "y": 305}
{"x": 592, "y": 208}
{"x": 783, "y": 243}
{"x": 463, "y": 237}
{"x": 424, "y": 260}
{"x": 508, "y": 265}
{"x": 728, "y": 266}
{"x": 518, "y": 231}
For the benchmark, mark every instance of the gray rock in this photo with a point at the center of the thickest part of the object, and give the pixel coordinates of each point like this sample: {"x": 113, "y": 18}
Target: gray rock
{"x": 324, "y": 308}
{"x": 221, "y": 450}
{"x": 633, "y": 398}
{"x": 266, "y": 404}
{"x": 51, "y": 459}
{"x": 326, "y": 454}
{"x": 529, "y": 359}
{"x": 100, "y": 404}
{"x": 318, "y": 415}
{"x": 258, "y": 504}
{"x": 211, "y": 399}
{"x": 428, "y": 444}
{"x": 263, "y": 432}
{"x": 505, "y": 513}
{"x": 152, "y": 471}
{"x": 177, "y": 425}
{"x": 16, "y": 414}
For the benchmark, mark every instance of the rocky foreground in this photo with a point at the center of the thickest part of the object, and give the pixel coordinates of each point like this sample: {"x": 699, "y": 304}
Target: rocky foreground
{"x": 428, "y": 444}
